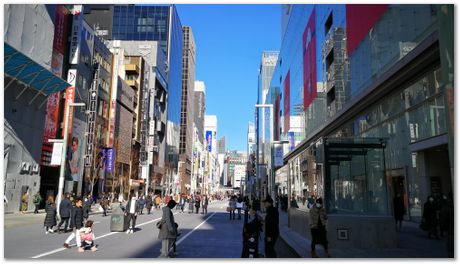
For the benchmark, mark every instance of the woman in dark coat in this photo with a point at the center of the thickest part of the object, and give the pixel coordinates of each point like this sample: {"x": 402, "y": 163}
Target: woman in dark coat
{"x": 251, "y": 232}
{"x": 50, "y": 218}
{"x": 430, "y": 217}
{"x": 399, "y": 210}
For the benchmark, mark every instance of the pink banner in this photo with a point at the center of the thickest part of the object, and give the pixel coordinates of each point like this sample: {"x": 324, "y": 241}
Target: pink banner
{"x": 309, "y": 62}
{"x": 287, "y": 102}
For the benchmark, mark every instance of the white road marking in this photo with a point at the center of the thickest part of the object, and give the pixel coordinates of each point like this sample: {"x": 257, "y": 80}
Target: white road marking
{"x": 198, "y": 226}
{"x": 98, "y": 237}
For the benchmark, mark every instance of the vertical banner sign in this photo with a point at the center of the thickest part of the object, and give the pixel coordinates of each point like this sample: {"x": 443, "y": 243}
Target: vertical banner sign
{"x": 69, "y": 96}
{"x": 287, "y": 102}
{"x": 56, "y": 156}
{"x": 109, "y": 160}
{"x": 75, "y": 150}
{"x": 75, "y": 37}
{"x": 113, "y": 104}
{"x": 209, "y": 140}
{"x": 276, "y": 116}
{"x": 309, "y": 62}
{"x": 278, "y": 155}
{"x": 291, "y": 136}
{"x": 91, "y": 118}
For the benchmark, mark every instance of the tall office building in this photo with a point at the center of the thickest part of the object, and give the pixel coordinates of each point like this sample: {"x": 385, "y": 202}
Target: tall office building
{"x": 186, "y": 126}
{"x": 153, "y": 23}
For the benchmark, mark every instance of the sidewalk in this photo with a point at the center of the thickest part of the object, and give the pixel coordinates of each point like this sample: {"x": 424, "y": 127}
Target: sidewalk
{"x": 412, "y": 243}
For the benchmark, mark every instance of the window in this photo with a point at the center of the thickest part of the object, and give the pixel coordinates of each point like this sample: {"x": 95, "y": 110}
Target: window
{"x": 328, "y": 24}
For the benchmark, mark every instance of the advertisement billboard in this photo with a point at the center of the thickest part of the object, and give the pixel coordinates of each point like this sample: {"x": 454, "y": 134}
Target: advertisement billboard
{"x": 109, "y": 159}
{"x": 209, "y": 140}
{"x": 360, "y": 19}
{"x": 309, "y": 62}
{"x": 75, "y": 151}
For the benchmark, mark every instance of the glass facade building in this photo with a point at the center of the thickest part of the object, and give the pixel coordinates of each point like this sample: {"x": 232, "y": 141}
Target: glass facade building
{"x": 368, "y": 72}
{"x": 162, "y": 24}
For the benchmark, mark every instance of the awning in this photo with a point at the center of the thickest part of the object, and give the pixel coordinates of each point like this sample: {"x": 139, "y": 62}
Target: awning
{"x": 22, "y": 68}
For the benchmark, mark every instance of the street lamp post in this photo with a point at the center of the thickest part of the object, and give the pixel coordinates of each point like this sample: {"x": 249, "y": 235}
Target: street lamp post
{"x": 270, "y": 188}
{"x": 63, "y": 154}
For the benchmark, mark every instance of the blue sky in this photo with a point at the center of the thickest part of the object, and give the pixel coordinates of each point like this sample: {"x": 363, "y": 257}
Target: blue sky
{"x": 230, "y": 40}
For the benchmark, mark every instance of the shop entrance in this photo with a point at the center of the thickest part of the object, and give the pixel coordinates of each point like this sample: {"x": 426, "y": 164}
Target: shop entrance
{"x": 437, "y": 171}
{"x": 397, "y": 179}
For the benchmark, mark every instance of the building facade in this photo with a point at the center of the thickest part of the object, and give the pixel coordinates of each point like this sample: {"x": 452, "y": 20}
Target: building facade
{"x": 378, "y": 87}
{"x": 186, "y": 128}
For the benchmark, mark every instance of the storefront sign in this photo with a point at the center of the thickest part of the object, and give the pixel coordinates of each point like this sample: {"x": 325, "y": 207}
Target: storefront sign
{"x": 57, "y": 152}
{"x": 278, "y": 155}
{"x": 309, "y": 62}
{"x": 109, "y": 160}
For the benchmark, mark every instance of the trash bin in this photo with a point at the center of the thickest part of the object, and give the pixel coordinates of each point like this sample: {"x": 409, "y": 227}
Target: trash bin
{"x": 118, "y": 220}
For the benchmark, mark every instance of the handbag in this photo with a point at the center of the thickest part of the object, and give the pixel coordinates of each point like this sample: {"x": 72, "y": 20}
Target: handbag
{"x": 229, "y": 209}
{"x": 160, "y": 223}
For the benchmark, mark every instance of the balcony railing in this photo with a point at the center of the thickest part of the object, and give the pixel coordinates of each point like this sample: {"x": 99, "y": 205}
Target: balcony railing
{"x": 132, "y": 68}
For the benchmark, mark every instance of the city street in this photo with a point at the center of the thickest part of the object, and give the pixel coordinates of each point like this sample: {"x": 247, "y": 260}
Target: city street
{"x": 202, "y": 236}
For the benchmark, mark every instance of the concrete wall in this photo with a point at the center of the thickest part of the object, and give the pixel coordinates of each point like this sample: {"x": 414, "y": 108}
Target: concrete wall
{"x": 363, "y": 231}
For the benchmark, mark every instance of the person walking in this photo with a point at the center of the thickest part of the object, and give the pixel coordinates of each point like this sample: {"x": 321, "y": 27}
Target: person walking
{"x": 64, "y": 212}
{"x": 205, "y": 204}
{"x": 399, "y": 210}
{"x": 231, "y": 207}
{"x": 191, "y": 202}
{"x": 148, "y": 204}
{"x": 251, "y": 233}
{"x": 132, "y": 210}
{"x": 239, "y": 206}
{"x": 430, "y": 217}
{"x": 25, "y": 201}
{"x": 141, "y": 204}
{"x": 318, "y": 223}
{"x": 271, "y": 228}
{"x": 86, "y": 207}
{"x": 182, "y": 201}
{"x": 76, "y": 221}
{"x": 37, "y": 201}
{"x": 168, "y": 230}
{"x": 197, "y": 204}
{"x": 50, "y": 217}
{"x": 105, "y": 204}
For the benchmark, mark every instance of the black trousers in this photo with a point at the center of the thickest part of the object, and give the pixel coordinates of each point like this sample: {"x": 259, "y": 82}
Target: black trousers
{"x": 270, "y": 248}
{"x": 132, "y": 219}
{"x": 66, "y": 220}
{"x": 36, "y": 208}
{"x": 318, "y": 236}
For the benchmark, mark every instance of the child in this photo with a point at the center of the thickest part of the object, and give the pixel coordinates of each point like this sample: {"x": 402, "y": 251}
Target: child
{"x": 87, "y": 237}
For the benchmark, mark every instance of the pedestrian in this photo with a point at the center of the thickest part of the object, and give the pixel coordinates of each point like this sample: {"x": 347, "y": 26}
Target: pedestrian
{"x": 430, "y": 217}
{"x": 50, "y": 217}
{"x": 87, "y": 207}
{"x": 65, "y": 208}
{"x": 76, "y": 221}
{"x": 197, "y": 204}
{"x": 25, "y": 201}
{"x": 251, "y": 233}
{"x": 448, "y": 214}
{"x": 271, "y": 228}
{"x": 87, "y": 237}
{"x": 182, "y": 201}
{"x": 294, "y": 203}
{"x": 239, "y": 206}
{"x": 399, "y": 210}
{"x": 132, "y": 210}
{"x": 191, "y": 202}
{"x": 141, "y": 204}
{"x": 105, "y": 204}
{"x": 318, "y": 222}
{"x": 205, "y": 204}
{"x": 149, "y": 204}
{"x": 231, "y": 207}
{"x": 168, "y": 230}
{"x": 37, "y": 201}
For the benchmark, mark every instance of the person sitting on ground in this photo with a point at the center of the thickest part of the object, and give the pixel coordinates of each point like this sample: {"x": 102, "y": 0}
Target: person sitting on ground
{"x": 87, "y": 237}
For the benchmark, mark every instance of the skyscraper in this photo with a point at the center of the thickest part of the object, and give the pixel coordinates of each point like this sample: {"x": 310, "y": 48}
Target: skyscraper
{"x": 186, "y": 126}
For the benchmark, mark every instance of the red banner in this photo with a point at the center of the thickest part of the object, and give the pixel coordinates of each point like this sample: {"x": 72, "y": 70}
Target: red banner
{"x": 360, "y": 19}
{"x": 309, "y": 62}
{"x": 287, "y": 102}
{"x": 60, "y": 28}
{"x": 69, "y": 98}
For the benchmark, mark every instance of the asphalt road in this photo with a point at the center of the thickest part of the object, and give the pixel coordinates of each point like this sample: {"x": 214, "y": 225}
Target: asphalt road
{"x": 202, "y": 236}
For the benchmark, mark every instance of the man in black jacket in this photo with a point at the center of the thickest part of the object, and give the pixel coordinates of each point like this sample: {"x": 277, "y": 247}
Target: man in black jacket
{"x": 76, "y": 220}
{"x": 64, "y": 212}
{"x": 271, "y": 228}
